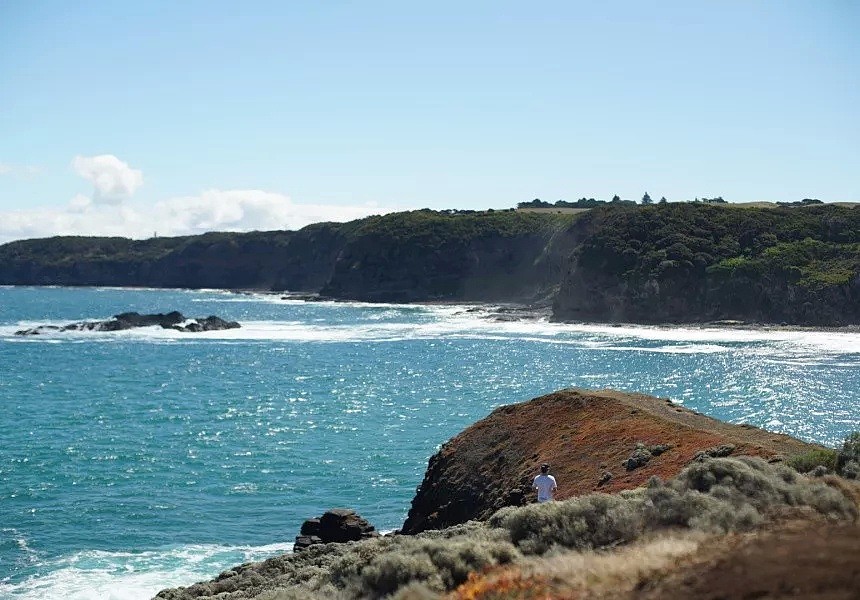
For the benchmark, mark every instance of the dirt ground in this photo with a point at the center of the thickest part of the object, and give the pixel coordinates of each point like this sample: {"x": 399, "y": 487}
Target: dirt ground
{"x": 803, "y": 559}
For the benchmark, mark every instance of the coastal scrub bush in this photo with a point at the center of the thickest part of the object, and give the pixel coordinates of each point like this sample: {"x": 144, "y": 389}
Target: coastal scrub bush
{"x": 592, "y": 521}
{"x": 806, "y": 462}
{"x": 751, "y": 482}
{"x": 439, "y": 565}
{"x": 711, "y": 495}
{"x": 848, "y": 460}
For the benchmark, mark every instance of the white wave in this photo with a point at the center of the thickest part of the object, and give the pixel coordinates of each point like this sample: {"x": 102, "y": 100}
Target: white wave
{"x": 679, "y": 349}
{"x": 101, "y": 575}
{"x": 398, "y": 322}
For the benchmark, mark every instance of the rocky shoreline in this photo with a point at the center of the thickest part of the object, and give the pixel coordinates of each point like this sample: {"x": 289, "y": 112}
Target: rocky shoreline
{"x": 629, "y": 467}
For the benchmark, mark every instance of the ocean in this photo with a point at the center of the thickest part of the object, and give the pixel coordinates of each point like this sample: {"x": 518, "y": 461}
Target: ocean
{"x": 138, "y": 460}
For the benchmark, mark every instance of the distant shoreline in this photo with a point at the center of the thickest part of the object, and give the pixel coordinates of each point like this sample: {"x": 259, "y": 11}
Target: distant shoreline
{"x": 502, "y": 311}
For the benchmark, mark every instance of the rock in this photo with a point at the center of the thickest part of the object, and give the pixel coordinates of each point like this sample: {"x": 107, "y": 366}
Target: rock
{"x": 659, "y": 449}
{"x": 604, "y": 478}
{"x": 335, "y": 525}
{"x": 642, "y": 454}
{"x": 640, "y": 457}
{"x": 210, "y": 323}
{"x": 130, "y": 320}
{"x": 580, "y": 433}
{"x": 720, "y": 451}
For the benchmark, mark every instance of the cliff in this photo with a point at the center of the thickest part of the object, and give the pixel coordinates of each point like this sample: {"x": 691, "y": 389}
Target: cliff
{"x": 584, "y": 436}
{"x": 677, "y": 263}
{"x": 668, "y": 263}
{"x": 413, "y": 256}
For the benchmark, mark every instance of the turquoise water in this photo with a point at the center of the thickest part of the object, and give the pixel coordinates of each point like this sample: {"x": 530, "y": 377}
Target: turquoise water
{"x": 138, "y": 460}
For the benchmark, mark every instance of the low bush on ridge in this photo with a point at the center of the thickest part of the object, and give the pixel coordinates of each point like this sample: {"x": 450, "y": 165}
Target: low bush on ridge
{"x": 714, "y": 495}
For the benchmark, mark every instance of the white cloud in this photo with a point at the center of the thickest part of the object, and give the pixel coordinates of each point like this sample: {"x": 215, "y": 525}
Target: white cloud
{"x": 114, "y": 181}
{"x": 79, "y": 203}
{"x": 212, "y": 210}
{"x": 22, "y": 171}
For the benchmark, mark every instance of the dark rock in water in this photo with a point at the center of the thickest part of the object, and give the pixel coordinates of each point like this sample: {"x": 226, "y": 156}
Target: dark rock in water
{"x": 210, "y": 323}
{"x": 335, "y": 525}
{"x": 130, "y": 320}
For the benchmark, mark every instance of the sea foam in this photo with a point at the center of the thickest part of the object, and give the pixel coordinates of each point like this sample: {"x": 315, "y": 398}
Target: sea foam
{"x": 100, "y": 575}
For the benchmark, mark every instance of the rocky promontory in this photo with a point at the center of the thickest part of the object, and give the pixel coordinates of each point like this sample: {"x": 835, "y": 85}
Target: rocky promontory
{"x": 130, "y": 320}
{"x": 595, "y": 441}
{"x": 680, "y": 504}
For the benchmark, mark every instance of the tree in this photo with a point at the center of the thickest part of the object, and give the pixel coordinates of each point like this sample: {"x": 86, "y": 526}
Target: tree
{"x": 663, "y": 200}
{"x": 646, "y": 199}
{"x": 616, "y": 198}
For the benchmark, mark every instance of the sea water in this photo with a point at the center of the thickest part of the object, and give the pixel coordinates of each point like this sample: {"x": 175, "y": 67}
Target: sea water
{"x": 143, "y": 459}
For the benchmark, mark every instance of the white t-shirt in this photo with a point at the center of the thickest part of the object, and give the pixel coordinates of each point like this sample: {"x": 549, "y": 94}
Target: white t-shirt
{"x": 545, "y": 485}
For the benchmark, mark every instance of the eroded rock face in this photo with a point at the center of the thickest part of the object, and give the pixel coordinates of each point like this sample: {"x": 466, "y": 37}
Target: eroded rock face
{"x": 581, "y": 434}
{"x": 335, "y": 525}
{"x": 130, "y": 320}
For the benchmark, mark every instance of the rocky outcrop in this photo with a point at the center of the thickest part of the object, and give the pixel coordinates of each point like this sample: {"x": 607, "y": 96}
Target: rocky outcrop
{"x": 582, "y": 434}
{"x": 130, "y": 320}
{"x": 335, "y": 525}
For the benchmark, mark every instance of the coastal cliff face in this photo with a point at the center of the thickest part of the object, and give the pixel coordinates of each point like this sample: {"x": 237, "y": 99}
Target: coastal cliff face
{"x": 425, "y": 255}
{"x": 696, "y": 263}
{"x": 589, "y": 438}
{"x": 414, "y": 256}
{"x": 670, "y": 263}
{"x": 299, "y": 261}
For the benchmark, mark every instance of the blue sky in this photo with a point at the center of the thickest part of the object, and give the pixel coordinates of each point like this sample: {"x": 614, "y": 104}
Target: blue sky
{"x": 125, "y": 118}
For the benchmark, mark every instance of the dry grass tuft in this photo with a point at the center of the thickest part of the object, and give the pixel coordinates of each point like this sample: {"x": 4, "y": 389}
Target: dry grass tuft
{"x": 581, "y": 574}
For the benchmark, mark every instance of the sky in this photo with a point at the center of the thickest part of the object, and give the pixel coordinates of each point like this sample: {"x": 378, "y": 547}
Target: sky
{"x": 137, "y": 118}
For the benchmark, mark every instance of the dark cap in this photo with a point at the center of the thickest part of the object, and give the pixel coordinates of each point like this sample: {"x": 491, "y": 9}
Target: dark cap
{"x": 544, "y": 467}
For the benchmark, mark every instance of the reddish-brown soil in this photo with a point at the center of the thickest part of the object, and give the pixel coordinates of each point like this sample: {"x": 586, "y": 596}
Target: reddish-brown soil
{"x": 804, "y": 559}
{"x": 582, "y": 434}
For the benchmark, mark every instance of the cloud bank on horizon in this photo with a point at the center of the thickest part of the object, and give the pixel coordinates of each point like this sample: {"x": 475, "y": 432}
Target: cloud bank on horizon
{"x": 110, "y": 211}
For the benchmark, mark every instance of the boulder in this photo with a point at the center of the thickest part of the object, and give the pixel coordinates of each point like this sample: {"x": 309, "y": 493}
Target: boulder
{"x": 335, "y": 525}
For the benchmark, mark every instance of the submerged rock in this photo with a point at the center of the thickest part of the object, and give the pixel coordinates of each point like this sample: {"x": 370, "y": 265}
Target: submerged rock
{"x": 131, "y": 320}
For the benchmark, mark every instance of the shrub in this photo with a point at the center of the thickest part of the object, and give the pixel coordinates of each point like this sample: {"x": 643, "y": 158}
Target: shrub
{"x": 439, "y": 565}
{"x": 713, "y": 495}
{"x": 592, "y": 521}
{"x": 806, "y": 462}
{"x": 848, "y": 459}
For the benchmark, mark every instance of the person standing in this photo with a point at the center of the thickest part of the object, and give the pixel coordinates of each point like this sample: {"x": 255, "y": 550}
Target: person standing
{"x": 544, "y": 484}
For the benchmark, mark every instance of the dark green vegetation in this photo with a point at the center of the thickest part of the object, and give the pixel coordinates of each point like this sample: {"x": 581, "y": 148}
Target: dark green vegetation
{"x": 695, "y": 262}
{"x": 411, "y": 256}
{"x": 661, "y": 262}
{"x": 427, "y": 255}
{"x": 714, "y": 495}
